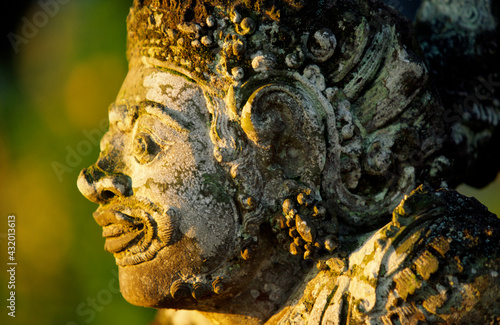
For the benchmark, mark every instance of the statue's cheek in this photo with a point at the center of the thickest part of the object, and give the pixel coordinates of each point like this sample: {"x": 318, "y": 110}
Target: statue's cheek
{"x": 211, "y": 224}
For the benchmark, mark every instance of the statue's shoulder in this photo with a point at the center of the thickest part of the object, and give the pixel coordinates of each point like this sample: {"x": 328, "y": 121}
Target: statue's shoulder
{"x": 438, "y": 261}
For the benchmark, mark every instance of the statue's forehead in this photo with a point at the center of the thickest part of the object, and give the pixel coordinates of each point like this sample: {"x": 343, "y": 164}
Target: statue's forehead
{"x": 173, "y": 91}
{"x": 165, "y": 94}
{"x": 159, "y": 85}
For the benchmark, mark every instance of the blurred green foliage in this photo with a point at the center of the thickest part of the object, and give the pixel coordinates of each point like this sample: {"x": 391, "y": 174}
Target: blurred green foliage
{"x": 54, "y": 94}
{"x": 53, "y": 107}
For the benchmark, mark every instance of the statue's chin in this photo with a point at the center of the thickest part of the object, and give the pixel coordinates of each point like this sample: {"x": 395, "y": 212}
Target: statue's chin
{"x": 156, "y": 283}
{"x": 141, "y": 285}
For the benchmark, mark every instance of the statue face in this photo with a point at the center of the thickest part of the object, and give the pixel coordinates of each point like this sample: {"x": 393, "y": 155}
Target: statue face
{"x": 164, "y": 209}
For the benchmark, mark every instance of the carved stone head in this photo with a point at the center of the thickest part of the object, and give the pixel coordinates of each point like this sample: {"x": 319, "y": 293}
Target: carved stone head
{"x": 247, "y": 127}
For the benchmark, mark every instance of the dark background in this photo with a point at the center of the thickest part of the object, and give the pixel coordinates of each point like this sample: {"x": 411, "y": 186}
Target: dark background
{"x": 54, "y": 92}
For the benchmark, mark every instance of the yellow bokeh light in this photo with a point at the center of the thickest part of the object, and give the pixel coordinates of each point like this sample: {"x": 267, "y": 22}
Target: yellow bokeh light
{"x": 91, "y": 87}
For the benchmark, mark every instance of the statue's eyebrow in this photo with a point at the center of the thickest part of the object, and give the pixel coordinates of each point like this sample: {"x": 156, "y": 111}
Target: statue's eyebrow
{"x": 122, "y": 115}
{"x": 168, "y": 116}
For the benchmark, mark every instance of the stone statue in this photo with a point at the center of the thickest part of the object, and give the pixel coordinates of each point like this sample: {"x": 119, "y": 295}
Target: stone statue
{"x": 264, "y": 162}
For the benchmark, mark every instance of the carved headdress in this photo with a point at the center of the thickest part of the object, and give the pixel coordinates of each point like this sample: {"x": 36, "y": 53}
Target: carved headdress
{"x": 340, "y": 70}
{"x": 222, "y": 43}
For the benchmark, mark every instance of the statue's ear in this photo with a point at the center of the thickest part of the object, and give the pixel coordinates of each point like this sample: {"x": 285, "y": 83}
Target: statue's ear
{"x": 285, "y": 124}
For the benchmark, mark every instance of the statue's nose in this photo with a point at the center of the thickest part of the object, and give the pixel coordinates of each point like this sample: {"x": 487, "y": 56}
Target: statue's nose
{"x": 101, "y": 187}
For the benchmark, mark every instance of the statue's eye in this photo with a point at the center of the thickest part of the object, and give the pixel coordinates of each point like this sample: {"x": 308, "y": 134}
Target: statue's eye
{"x": 146, "y": 148}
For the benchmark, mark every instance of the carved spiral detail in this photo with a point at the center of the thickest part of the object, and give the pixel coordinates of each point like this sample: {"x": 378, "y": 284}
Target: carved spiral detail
{"x": 322, "y": 45}
{"x": 218, "y": 286}
{"x": 471, "y": 16}
{"x": 180, "y": 289}
{"x": 200, "y": 290}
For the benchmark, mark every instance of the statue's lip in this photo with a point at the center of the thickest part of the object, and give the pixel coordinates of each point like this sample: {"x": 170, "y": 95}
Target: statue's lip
{"x": 116, "y": 244}
{"x": 135, "y": 229}
{"x": 112, "y": 216}
{"x": 119, "y": 229}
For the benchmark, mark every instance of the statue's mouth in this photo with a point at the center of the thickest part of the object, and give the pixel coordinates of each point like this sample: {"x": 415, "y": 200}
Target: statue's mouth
{"x": 119, "y": 229}
{"x": 134, "y": 231}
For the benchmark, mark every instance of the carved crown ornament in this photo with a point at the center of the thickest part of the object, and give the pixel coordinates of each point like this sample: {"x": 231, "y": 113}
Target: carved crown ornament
{"x": 226, "y": 46}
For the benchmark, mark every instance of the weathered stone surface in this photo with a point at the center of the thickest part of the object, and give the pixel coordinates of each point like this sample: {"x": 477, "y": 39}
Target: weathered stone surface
{"x": 464, "y": 66}
{"x": 382, "y": 284}
{"x": 252, "y": 140}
